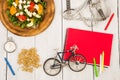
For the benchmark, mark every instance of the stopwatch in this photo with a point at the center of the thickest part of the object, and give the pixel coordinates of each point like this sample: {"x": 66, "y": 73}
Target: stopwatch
{"x": 10, "y": 45}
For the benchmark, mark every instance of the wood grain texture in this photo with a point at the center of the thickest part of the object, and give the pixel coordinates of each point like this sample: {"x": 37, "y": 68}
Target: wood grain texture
{"x": 53, "y": 38}
{"x": 50, "y": 10}
{"x": 0, "y": 10}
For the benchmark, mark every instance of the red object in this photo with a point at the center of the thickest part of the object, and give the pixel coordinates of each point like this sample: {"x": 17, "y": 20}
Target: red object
{"x": 90, "y": 44}
{"x": 22, "y": 17}
{"x": 111, "y": 17}
{"x": 31, "y": 8}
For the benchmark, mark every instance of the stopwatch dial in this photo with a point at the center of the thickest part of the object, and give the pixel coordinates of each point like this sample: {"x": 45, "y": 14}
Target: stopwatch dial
{"x": 10, "y": 47}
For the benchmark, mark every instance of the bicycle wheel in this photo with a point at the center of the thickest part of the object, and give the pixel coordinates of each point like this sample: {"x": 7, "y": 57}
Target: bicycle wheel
{"x": 77, "y": 62}
{"x": 52, "y": 66}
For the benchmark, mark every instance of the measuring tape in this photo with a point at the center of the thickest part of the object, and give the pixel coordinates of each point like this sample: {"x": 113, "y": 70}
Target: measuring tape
{"x": 76, "y": 14}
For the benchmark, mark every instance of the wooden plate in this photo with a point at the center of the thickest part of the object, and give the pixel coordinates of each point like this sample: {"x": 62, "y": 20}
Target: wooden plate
{"x": 0, "y": 10}
{"x": 50, "y": 10}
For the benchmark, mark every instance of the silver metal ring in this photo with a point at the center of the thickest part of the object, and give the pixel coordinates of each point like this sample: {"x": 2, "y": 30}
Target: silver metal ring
{"x": 10, "y": 46}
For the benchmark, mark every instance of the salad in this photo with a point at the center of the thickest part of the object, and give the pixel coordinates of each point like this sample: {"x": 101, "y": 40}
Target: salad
{"x": 26, "y": 13}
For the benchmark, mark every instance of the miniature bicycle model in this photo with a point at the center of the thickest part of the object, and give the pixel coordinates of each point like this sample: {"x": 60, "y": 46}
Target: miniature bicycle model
{"x": 76, "y": 62}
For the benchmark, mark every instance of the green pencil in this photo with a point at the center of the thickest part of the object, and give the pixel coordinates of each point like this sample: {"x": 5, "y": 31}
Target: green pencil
{"x": 95, "y": 67}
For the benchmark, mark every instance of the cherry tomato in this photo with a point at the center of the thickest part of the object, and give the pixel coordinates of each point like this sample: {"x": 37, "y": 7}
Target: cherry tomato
{"x": 22, "y": 17}
{"x": 32, "y": 4}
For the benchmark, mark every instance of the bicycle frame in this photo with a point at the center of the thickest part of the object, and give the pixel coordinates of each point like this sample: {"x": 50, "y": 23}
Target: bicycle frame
{"x": 61, "y": 58}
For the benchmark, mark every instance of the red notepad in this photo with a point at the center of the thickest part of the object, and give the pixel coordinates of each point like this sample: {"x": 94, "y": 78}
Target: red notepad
{"x": 91, "y": 44}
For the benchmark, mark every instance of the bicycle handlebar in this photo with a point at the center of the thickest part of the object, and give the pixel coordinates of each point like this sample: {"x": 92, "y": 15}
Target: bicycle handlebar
{"x": 74, "y": 48}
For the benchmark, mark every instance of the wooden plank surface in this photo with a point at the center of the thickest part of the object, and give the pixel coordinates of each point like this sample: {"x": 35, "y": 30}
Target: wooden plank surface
{"x": 53, "y": 37}
{"x": 3, "y": 39}
{"x": 48, "y": 41}
{"x": 113, "y": 29}
{"x": 22, "y": 43}
{"x": 68, "y": 74}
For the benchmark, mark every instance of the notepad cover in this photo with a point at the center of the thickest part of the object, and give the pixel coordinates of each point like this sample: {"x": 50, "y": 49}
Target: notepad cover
{"x": 91, "y": 44}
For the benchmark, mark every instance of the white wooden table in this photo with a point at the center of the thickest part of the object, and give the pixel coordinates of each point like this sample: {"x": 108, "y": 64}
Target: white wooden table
{"x": 54, "y": 37}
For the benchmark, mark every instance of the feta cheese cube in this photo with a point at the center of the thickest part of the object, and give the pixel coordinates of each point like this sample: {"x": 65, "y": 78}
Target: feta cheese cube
{"x": 25, "y": 7}
{"x": 34, "y": 13}
{"x": 36, "y": 7}
{"x": 28, "y": 2}
{"x": 24, "y": 1}
{"x": 20, "y": 6}
{"x": 35, "y": 1}
{"x": 28, "y": 19}
{"x": 26, "y": 10}
{"x": 30, "y": 24}
{"x": 28, "y": 5}
{"x": 14, "y": 4}
{"x": 28, "y": 13}
{"x": 17, "y": 14}
{"x": 20, "y": 1}
{"x": 37, "y": 16}
{"x": 21, "y": 13}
